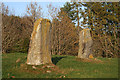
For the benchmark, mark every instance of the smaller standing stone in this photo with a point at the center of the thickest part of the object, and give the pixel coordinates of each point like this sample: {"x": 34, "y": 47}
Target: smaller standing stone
{"x": 85, "y": 43}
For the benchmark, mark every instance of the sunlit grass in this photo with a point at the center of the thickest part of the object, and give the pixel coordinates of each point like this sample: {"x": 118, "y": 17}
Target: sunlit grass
{"x": 65, "y": 67}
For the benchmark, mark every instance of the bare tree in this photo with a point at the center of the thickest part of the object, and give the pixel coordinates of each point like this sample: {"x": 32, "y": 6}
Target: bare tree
{"x": 53, "y": 12}
{"x": 5, "y": 9}
{"x": 34, "y": 11}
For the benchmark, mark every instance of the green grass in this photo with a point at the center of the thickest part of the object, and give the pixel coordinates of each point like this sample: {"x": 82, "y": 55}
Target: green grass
{"x": 66, "y": 67}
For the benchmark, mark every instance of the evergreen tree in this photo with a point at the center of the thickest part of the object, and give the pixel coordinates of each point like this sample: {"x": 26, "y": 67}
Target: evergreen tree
{"x": 73, "y": 10}
{"x": 102, "y": 18}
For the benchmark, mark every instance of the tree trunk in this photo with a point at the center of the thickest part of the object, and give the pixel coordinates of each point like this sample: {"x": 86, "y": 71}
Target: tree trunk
{"x": 78, "y": 19}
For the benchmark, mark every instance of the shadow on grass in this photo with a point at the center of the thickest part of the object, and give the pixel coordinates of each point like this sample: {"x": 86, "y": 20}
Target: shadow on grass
{"x": 55, "y": 60}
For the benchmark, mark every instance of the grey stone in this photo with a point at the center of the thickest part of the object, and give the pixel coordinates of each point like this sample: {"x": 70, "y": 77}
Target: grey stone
{"x": 39, "y": 48}
{"x": 85, "y": 43}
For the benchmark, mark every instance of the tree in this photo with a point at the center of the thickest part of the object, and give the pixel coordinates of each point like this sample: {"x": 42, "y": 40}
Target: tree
{"x": 53, "y": 12}
{"x": 102, "y": 18}
{"x": 66, "y": 35}
{"x": 5, "y": 9}
{"x": 34, "y": 11}
{"x": 64, "y": 32}
{"x": 13, "y": 29}
{"x": 73, "y": 9}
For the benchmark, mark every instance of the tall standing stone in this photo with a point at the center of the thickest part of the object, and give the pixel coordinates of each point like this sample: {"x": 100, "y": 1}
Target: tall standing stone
{"x": 85, "y": 43}
{"x": 39, "y": 48}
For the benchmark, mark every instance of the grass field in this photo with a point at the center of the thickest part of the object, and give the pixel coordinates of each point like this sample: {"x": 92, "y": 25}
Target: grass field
{"x": 13, "y": 65}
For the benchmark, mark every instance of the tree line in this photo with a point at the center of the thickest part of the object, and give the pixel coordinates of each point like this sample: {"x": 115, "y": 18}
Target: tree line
{"x": 101, "y": 18}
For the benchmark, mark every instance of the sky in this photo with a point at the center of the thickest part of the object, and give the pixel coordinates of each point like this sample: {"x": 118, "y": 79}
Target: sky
{"x": 19, "y": 8}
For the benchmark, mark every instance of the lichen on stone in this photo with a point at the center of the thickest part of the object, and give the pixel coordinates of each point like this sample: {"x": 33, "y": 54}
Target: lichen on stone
{"x": 39, "y": 53}
{"x": 85, "y": 43}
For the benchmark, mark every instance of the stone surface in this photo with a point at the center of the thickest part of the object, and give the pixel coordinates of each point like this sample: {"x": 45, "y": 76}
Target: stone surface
{"x": 34, "y": 67}
{"x": 48, "y": 71}
{"x": 85, "y": 43}
{"x": 18, "y": 60}
{"x": 39, "y": 48}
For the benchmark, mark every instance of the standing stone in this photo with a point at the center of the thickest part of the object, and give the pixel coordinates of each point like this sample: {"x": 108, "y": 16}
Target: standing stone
{"x": 85, "y": 43}
{"x": 39, "y": 48}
